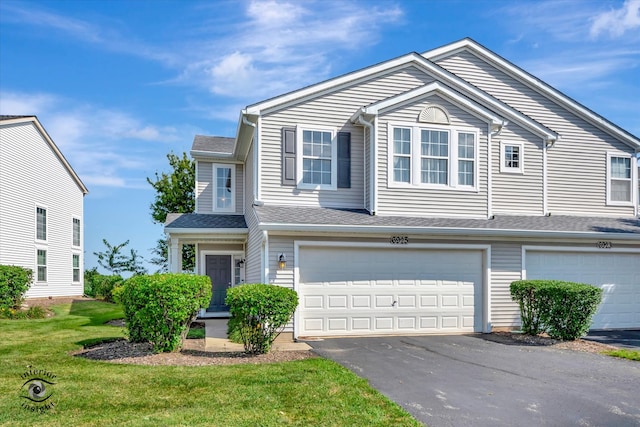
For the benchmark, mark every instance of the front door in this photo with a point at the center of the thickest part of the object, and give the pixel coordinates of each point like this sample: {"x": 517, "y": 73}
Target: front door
{"x": 218, "y": 268}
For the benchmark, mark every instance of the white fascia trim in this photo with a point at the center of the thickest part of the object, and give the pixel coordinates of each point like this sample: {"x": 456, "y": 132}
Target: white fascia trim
{"x": 211, "y": 155}
{"x": 439, "y": 231}
{"x": 535, "y": 83}
{"x": 331, "y": 84}
{"x": 435, "y": 87}
{"x": 207, "y": 231}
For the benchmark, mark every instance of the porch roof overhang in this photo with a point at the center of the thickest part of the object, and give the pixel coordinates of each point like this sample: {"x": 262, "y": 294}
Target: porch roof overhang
{"x": 206, "y": 225}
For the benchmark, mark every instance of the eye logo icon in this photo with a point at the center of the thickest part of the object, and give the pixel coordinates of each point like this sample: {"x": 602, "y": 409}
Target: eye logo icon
{"x": 37, "y": 390}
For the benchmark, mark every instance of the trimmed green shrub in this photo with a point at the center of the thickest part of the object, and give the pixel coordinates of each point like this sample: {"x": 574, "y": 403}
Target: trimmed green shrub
{"x": 159, "y": 308}
{"x": 89, "y": 276}
{"x": 524, "y": 292}
{"x": 562, "y": 309}
{"x": 102, "y": 286}
{"x": 259, "y": 313}
{"x": 14, "y": 283}
{"x": 570, "y": 308}
{"x": 35, "y": 312}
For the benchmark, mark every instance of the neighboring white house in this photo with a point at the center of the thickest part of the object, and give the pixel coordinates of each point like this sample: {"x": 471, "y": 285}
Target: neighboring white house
{"x": 405, "y": 197}
{"x": 41, "y": 209}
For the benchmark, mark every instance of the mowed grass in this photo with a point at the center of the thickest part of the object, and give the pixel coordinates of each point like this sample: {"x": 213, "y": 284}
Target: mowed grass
{"x": 624, "y": 354}
{"x": 312, "y": 392}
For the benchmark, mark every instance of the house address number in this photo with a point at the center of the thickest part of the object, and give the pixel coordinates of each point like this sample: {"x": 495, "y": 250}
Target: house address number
{"x": 603, "y": 245}
{"x": 399, "y": 240}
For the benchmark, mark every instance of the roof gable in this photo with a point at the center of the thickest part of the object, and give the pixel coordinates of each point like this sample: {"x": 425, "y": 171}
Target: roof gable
{"x": 534, "y": 83}
{"x": 9, "y": 120}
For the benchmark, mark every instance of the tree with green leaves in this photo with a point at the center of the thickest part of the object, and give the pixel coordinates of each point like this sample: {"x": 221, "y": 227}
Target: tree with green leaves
{"x": 175, "y": 193}
{"x": 115, "y": 262}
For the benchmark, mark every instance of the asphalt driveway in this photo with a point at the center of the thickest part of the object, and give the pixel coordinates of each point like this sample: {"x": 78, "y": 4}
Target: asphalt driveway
{"x": 469, "y": 381}
{"x": 629, "y": 339}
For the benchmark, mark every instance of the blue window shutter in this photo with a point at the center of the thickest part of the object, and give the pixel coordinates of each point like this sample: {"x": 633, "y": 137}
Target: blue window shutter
{"x": 289, "y": 156}
{"x": 344, "y": 159}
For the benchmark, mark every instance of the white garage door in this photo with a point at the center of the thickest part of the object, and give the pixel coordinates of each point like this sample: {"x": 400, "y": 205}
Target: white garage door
{"x": 618, "y": 274}
{"x": 360, "y": 291}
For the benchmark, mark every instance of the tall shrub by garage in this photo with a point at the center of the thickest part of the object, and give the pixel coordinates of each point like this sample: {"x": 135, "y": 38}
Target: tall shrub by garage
{"x": 562, "y": 309}
{"x": 259, "y": 313}
{"x": 159, "y": 308}
{"x": 14, "y": 284}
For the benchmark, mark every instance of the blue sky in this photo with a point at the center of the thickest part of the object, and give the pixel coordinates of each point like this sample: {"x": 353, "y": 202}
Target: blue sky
{"x": 119, "y": 84}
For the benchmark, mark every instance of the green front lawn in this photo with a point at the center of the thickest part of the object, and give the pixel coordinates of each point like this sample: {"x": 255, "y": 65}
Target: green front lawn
{"x": 312, "y": 392}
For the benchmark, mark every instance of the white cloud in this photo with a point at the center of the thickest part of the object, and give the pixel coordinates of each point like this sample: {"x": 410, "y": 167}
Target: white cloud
{"x": 617, "y": 22}
{"x": 105, "y": 147}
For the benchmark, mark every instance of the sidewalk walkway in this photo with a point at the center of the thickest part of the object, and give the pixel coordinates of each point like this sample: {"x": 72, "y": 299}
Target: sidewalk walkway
{"x": 216, "y": 339}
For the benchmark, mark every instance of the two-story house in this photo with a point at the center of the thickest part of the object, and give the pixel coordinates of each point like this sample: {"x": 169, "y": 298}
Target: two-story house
{"x": 405, "y": 197}
{"x": 41, "y": 209}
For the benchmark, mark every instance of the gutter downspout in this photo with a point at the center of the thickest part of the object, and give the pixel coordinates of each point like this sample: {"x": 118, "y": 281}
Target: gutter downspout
{"x": 635, "y": 172}
{"x": 548, "y": 143}
{"x": 255, "y": 155}
{"x": 494, "y": 130}
{"x": 265, "y": 256}
{"x": 373, "y": 170}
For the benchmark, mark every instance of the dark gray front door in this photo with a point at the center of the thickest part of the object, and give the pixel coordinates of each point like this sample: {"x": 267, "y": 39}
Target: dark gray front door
{"x": 218, "y": 268}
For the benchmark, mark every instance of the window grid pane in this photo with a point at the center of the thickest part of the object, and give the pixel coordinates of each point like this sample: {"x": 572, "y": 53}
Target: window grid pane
{"x": 512, "y": 156}
{"x": 435, "y": 157}
{"x": 41, "y": 224}
{"x": 466, "y": 159}
{"x": 316, "y": 157}
{"x": 76, "y": 267}
{"x": 620, "y": 179}
{"x": 42, "y": 265}
{"x": 76, "y": 232}
{"x": 223, "y": 188}
{"x": 620, "y": 167}
{"x": 402, "y": 157}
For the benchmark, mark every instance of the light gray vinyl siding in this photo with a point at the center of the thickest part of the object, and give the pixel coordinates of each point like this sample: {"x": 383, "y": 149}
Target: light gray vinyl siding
{"x": 205, "y": 187}
{"x": 367, "y": 170}
{"x": 253, "y": 263}
{"x": 418, "y": 201}
{"x": 515, "y": 193}
{"x": 32, "y": 175}
{"x": 279, "y": 245}
{"x": 506, "y": 266}
{"x": 582, "y": 146}
{"x": 331, "y": 110}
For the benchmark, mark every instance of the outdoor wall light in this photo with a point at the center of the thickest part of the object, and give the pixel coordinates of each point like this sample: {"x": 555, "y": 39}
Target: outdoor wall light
{"x": 282, "y": 261}
{"x": 240, "y": 263}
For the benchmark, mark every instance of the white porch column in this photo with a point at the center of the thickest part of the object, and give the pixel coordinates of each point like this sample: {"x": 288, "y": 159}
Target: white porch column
{"x": 175, "y": 255}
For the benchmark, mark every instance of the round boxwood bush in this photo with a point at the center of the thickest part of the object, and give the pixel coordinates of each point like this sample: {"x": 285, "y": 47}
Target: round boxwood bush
{"x": 259, "y": 313}
{"x": 159, "y": 308}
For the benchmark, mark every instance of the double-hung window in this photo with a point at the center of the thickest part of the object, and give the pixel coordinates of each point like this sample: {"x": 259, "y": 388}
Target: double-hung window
{"x": 224, "y": 185}
{"x": 41, "y": 261}
{"x": 317, "y": 158}
{"x": 76, "y": 232}
{"x": 434, "y": 164}
{"x": 75, "y": 259}
{"x": 41, "y": 223}
{"x": 433, "y": 156}
{"x": 402, "y": 155}
{"x": 619, "y": 185}
{"x": 512, "y": 157}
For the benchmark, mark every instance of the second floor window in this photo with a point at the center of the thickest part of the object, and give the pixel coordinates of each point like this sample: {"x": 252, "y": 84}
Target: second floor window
{"x": 76, "y": 232}
{"x": 317, "y": 156}
{"x": 224, "y": 177}
{"x": 435, "y": 157}
{"x": 41, "y": 223}
{"x": 620, "y": 179}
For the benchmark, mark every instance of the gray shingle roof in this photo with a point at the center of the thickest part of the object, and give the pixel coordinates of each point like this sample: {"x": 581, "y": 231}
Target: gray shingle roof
{"x": 9, "y": 117}
{"x": 213, "y": 144}
{"x": 193, "y": 220}
{"x": 357, "y": 217}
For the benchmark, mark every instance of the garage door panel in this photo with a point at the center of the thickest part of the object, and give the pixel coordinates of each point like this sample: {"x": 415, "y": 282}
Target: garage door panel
{"x": 617, "y": 274}
{"x": 409, "y": 290}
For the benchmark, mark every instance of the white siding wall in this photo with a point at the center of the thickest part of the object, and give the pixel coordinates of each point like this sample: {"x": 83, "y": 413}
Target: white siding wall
{"x": 31, "y": 174}
{"x": 278, "y": 245}
{"x": 333, "y": 110}
{"x": 205, "y": 187}
{"x": 506, "y": 266}
{"x": 514, "y": 193}
{"x": 430, "y": 202}
{"x": 253, "y": 263}
{"x": 582, "y": 146}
